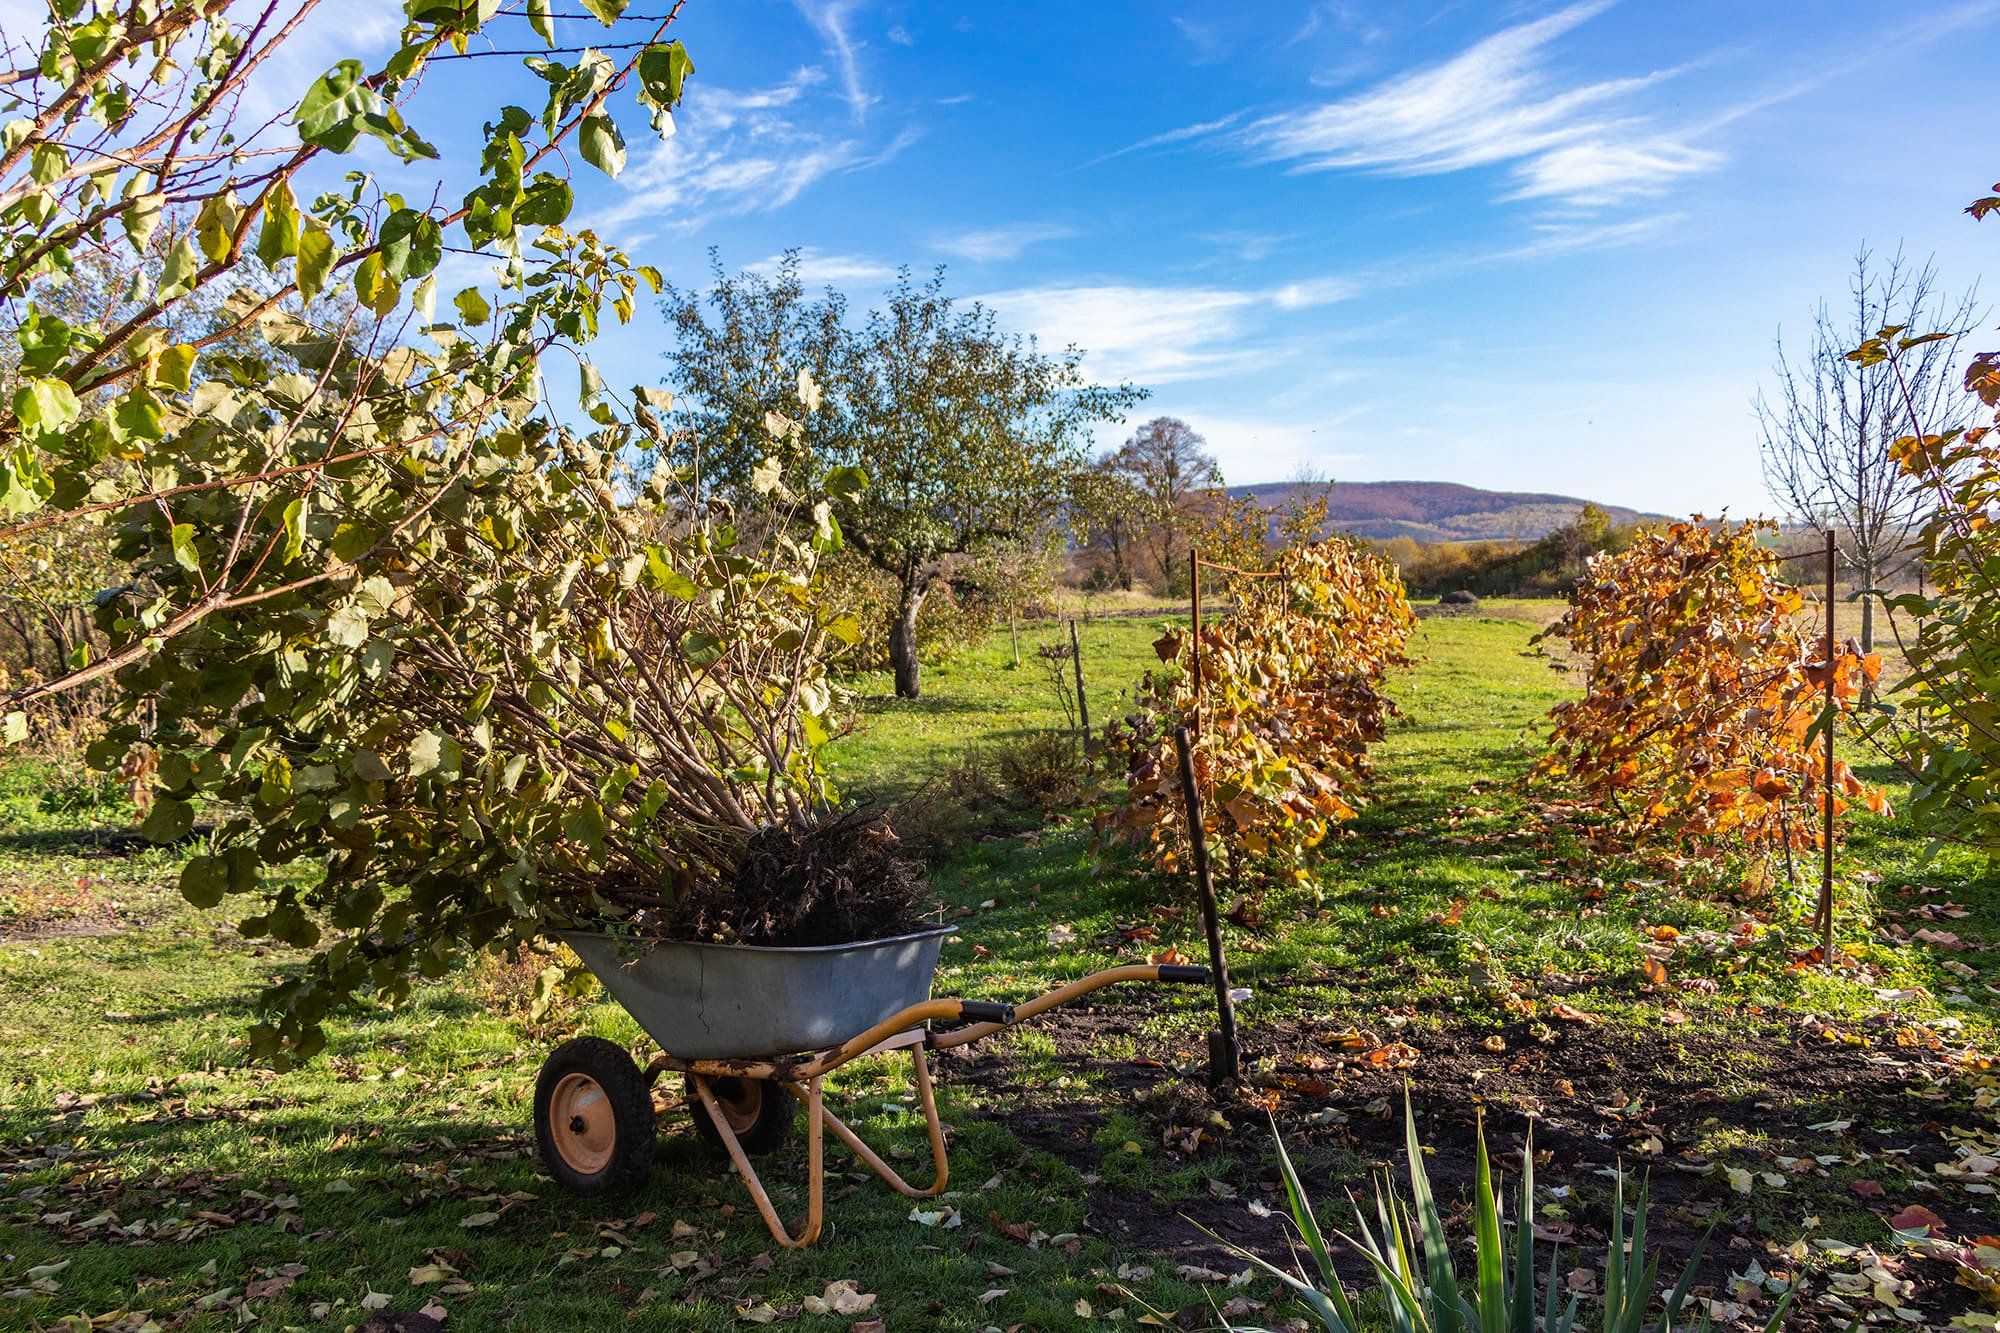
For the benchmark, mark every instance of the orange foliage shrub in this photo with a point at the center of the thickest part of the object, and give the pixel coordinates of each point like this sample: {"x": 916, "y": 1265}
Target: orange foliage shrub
{"x": 1699, "y": 719}
{"x": 1290, "y": 701}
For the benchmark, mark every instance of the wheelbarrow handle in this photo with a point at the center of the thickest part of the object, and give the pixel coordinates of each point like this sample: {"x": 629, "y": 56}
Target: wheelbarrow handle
{"x": 982, "y": 1018}
{"x": 1061, "y": 995}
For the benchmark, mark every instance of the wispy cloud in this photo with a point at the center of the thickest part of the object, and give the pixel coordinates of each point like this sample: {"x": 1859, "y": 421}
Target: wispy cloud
{"x": 1496, "y": 103}
{"x": 740, "y": 152}
{"x": 817, "y": 268}
{"x": 987, "y": 244}
{"x": 831, "y": 19}
{"x": 1182, "y": 135}
{"x": 1157, "y": 334}
{"x": 1209, "y": 44}
{"x": 1251, "y": 246}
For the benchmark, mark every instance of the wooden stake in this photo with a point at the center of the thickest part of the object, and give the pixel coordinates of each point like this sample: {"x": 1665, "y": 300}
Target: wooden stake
{"x": 1225, "y": 1058}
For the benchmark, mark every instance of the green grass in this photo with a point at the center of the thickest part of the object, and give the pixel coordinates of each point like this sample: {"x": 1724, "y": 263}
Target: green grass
{"x": 981, "y": 698}
{"x": 128, "y": 1110}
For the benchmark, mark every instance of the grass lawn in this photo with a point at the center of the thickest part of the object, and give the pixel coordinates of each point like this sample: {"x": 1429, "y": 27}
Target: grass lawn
{"x": 1471, "y": 934}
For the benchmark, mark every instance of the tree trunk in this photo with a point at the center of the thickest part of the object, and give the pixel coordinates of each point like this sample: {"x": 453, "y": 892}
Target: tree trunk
{"x": 903, "y": 644}
{"x": 1867, "y": 605}
{"x": 1121, "y": 573}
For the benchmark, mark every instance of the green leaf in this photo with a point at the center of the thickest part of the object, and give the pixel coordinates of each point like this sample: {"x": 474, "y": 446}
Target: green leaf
{"x": 14, "y": 728}
{"x": 178, "y": 273}
{"x": 603, "y": 147}
{"x": 46, "y": 407}
{"x": 370, "y": 767}
{"x": 330, "y": 113}
{"x": 182, "y": 537}
{"x": 142, "y": 217}
{"x": 375, "y": 287}
{"x": 295, "y": 528}
{"x": 607, "y": 11}
{"x": 215, "y": 226}
{"x": 539, "y": 20}
{"x": 203, "y": 881}
{"x": 348, "y": 627}
{"x": 172, "y": 368}
{"x": 424, "y": 753}
{"x": 663, "y": 70}
{"x": 667, "y": 579}
{"x": 411, "y": 244}
{"x": 315, "y": 258}
{"x": 846, "y": 483}
{"x": 585, "y": 823}
{"x": 278, "y": 239}
{"x": 472, "y": 307}
{"x": 168, "y": 821}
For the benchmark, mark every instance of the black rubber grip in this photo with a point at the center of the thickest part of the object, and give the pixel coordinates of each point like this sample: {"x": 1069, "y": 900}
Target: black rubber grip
{"x": 985, "y": 1011}
{"x": 1184, "y": 973}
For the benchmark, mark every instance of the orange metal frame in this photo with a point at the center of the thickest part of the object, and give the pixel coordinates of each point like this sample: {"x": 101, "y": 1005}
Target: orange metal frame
{"x": 802, "y": 1076}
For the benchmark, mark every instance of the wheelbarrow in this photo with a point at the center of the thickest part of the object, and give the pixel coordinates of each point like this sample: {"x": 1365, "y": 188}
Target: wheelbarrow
{"x": 754, "y": 1031}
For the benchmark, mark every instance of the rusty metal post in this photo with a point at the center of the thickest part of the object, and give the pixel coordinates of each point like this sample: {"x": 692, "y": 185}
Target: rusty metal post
{"x": 1827, "y": 794}
{"x": 1225, "y": 1058}
{"x": 1082, "y": 703}
{"x": 1194, "y": 617}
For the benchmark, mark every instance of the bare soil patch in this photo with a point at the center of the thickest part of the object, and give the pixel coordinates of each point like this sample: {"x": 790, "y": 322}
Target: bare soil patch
{"x": 1598, "y": 1096}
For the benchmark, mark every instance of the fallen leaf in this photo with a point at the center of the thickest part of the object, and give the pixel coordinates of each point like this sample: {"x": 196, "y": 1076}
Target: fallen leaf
{"x": 1918, "y": 1218}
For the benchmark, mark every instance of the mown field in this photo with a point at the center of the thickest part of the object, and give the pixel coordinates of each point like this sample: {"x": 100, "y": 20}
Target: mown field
{"x": 1471, "y": 936}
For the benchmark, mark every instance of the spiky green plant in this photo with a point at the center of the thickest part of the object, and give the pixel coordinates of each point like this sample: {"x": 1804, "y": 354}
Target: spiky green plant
{"x": 1420, "y": 1287}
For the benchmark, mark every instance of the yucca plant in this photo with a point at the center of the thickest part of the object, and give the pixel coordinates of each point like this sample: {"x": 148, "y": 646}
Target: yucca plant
{"x": 1419, "y": 1284}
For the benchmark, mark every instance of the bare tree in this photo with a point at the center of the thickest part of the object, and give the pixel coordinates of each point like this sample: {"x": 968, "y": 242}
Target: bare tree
{"x": 1827, "y": 427}
{"x": 1170, "y": 466}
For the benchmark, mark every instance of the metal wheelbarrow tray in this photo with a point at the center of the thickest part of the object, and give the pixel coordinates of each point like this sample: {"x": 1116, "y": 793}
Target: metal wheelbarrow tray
{"x": 754, "y": 1030}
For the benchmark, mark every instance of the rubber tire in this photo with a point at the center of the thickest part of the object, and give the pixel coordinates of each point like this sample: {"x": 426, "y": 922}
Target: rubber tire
{"x": 777, "y": 1112}
{"x": 636, "y": 1132}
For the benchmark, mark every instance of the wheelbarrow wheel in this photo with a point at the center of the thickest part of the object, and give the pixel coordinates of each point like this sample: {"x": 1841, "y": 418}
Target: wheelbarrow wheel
{"x": 760, "y": 1113}
{"x": 594, "y": 1118}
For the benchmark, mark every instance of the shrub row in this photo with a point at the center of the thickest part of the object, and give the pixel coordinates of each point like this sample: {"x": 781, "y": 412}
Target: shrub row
{"x": 1704, "y": 697}
{"x": 1288, "y": 701}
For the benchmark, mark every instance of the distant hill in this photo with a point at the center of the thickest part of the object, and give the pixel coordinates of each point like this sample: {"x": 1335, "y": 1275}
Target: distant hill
{"x": 1440, "y": 511}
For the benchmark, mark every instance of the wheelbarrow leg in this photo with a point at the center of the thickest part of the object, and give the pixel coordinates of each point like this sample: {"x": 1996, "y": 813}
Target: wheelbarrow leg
{"x": 815, "y": 1163}
{"x": 874, "y": 1162}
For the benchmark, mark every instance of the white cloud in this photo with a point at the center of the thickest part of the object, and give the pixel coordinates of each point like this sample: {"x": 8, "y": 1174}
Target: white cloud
{"x": 1150, "y": 335}
{"x": 990, "y": 243}
{"x": 1208, "y": 42}
{"x": 1602, "y": 173}
{"x": 1251, "y": 448}
{"x": 901, "y": 36}
{"x": 1158, "y": 335}
{"x": 1251, "y": 246}
{"x": 739, "y": 152}
{"x": 1496, "y": 103}
{"x": 830, "y": 18}
{"x": 820, "y": 269}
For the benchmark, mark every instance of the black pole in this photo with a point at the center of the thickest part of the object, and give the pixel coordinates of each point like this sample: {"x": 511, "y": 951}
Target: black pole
{"x": 1194, "y": 621}
{"x": 1082, "y": 703}
{"x": 1225, "y": 1059}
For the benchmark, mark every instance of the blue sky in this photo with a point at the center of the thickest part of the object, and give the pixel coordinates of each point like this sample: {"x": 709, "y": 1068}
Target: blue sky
{"x": 1524, "y": 246}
